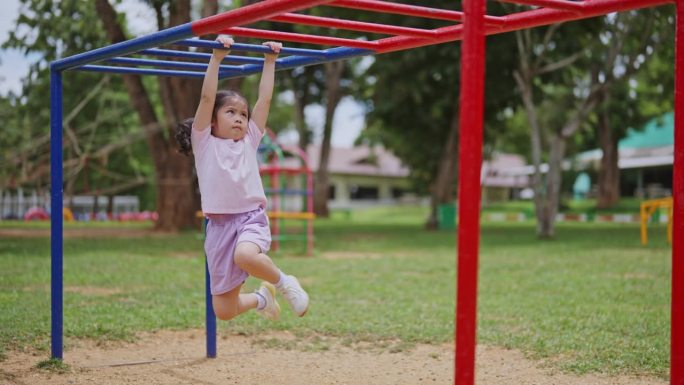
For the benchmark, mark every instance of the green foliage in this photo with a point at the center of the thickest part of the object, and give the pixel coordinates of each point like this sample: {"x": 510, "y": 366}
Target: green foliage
{"x": 644, "y": 74}
{"x": 639, "y": 82}
{"x": 412, "y": 96}
{"x": 97, "y": 112}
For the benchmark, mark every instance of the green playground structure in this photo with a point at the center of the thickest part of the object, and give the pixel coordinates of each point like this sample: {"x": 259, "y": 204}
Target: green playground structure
{"x": 288, "y": 182}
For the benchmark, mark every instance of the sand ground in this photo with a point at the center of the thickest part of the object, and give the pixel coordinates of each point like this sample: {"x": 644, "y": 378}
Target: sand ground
{"x": 178, "y": 357}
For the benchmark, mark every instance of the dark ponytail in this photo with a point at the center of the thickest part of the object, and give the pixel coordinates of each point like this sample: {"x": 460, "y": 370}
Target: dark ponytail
{"x": 183, "y": 132}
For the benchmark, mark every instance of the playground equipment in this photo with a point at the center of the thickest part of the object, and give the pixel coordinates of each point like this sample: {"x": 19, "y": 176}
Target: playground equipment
{"x": 647, "y": 209}
{"x": 36, "y": 214}
{"x": 287, "y": 177}
{"x": 471, "y": 26}
{"x": 40, "y": 214}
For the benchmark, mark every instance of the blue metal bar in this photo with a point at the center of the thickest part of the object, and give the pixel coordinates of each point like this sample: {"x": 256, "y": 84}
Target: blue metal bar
{"x": 249, "y": 47}
{"x": 156, "y": 39}
{"x": 140, "y": 71}
{"x": 170, "y": 64}
{"x": 210, "y": 316}
{"x": 200, "y": 56}
{"x": 232, "y": 71}
{"x": 56, "y": 218}
{"x": 331, "y": 54}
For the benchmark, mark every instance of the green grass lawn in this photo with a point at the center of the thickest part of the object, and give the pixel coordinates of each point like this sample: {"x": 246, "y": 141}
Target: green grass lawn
{"x": 592, "y": 300}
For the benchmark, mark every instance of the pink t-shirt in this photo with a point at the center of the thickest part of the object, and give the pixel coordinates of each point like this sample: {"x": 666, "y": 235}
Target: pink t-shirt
{"x": 228, "y": 171}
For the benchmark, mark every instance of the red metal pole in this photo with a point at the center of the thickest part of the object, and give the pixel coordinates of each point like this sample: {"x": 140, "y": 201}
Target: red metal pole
{"x": 547, "y": 16}
{"x": 470, "y": 165}
{"x": 250, "y": 14}
{"x": 677, "y": 333}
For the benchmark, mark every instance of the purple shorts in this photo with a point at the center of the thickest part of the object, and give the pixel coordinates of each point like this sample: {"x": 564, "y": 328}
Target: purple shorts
{"x": 224, "y": 232}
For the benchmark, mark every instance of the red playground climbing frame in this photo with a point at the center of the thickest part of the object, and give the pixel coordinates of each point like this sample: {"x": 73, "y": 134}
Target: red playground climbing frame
{"x": 471, "y": 25}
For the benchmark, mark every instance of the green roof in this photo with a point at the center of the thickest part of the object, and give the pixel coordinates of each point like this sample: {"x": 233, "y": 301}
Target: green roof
{"x": 658, "y": 132}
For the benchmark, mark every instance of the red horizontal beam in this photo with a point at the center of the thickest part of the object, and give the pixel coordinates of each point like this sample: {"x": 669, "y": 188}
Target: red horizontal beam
{"x": 521, "y": 20}
{"x": 294, "y": 18}
{"x": 547, "y": 16}
{"x": 300, "y": 38}
{"x": 556, "y": 4}
{"x": 409, "y": 10}
{"x": 250, "y": 14}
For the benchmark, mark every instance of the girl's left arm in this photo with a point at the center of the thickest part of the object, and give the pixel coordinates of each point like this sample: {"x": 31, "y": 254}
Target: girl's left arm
{"x": 263, "y": 103}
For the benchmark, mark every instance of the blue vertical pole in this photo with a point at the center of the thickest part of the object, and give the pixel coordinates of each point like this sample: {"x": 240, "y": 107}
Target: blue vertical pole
{"x": 211, "y": 317}
{"x": 57, "y": 249}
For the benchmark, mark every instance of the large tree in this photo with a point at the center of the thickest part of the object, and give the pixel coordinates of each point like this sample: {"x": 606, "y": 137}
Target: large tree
{"x": 636, "y": 93}
{"x": 176, "y": 193}
{"x": 566, "y": 78}
{"x": 96, "y": 121}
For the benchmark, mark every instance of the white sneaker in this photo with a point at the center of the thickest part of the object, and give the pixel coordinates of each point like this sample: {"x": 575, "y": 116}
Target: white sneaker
{"x": 295, "y": 295}
{"x": 272, "y": 309}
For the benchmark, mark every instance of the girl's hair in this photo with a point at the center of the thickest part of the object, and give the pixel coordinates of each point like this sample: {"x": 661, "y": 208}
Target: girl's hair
{"x": 223, "y": 96}
{"x": 184, "y": 128}
{"x": 183, "y": 132}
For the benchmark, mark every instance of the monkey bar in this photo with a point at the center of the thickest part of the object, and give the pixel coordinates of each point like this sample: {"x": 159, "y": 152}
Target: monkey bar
{"x": 471, "y": 25}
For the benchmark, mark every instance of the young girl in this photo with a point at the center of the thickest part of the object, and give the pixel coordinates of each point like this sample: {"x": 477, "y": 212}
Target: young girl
{"x": 224, "y": 138}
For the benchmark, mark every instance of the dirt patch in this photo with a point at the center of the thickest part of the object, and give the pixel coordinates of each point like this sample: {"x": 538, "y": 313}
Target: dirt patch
{"x": 178, "y": 357}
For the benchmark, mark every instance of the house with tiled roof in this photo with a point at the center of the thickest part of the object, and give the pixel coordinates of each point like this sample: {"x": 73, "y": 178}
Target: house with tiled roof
{"x": 362, "y": 176}
{"x": 365, "y": 176}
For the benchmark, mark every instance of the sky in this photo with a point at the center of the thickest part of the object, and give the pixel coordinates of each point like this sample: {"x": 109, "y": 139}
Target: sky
{"x": 347, "y": 124}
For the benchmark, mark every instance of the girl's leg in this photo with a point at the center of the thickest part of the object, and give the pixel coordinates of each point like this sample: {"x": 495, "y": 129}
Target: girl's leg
{"x": 248, "y": 257}
{"x": 231, "y": 304}
{"x": 257, "y": 264}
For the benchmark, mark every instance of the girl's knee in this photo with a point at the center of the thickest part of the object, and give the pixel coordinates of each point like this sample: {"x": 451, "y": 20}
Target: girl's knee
{"x": 225, "y": 314}
{"x": 244, "y": 252}
{"x": 225, "y": 307}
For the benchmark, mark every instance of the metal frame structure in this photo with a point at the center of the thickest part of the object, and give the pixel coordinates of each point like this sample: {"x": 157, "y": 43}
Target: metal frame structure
{"x": 471, "y": 25}
{"x": 277, "y": 177}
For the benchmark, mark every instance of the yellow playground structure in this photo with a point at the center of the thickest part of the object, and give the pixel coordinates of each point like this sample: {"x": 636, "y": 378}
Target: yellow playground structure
{"x": 648, "y": 208}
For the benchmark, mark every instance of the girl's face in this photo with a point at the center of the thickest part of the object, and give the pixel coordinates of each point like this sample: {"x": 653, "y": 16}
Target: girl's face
{"x": 231, "y": 120}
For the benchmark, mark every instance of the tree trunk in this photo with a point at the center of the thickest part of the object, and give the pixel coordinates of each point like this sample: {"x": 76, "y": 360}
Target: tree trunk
{"x": 300, "y": 84}
{"x": 609, "y": 172}
{"x": 524, "y": 80}
{"x": 553, "y": 186}
{"x": 175, "y": 188}
{"x": 300, "y": 101}
{"x": 333, "y": 71}
{"x": 444, "y": 186}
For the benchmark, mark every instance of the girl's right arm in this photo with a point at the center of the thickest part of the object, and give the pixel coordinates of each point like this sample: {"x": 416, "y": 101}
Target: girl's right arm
{"x": 210, "y": 85}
